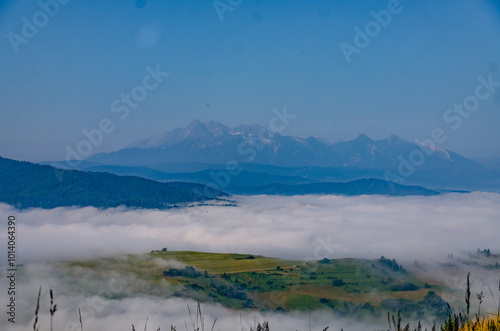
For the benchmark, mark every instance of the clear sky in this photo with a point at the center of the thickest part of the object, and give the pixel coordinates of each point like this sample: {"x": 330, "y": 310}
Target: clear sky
{"x": 62, "y": 69}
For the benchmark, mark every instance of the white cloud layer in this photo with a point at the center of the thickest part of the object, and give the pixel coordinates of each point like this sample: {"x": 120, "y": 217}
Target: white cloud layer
{"x": 298, "y": 227}
{"x": 289, "y": 227}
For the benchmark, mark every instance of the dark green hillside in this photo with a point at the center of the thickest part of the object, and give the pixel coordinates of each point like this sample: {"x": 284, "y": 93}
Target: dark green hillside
{"x": 26, "y": 185}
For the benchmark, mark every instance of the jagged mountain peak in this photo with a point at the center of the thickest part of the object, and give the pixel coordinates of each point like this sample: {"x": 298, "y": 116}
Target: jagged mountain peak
{"x": 194, "y": 124}
{"x": 363, "y": 137}
{"x": 393, "y": 140}
{"x": 216, "y": 129}
{"x": 196, "y": 130}
{"x": 213, "y": 142}
{"x": 247, "y": 129}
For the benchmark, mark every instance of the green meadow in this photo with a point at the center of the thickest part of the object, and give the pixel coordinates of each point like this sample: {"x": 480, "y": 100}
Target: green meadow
{"x": 243, "y": 281}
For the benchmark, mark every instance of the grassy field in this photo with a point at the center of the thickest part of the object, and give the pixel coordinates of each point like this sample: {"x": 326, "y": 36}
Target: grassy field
{"x": 244, "y": 281}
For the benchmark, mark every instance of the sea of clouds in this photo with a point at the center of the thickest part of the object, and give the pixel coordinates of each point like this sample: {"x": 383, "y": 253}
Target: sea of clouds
{"x": 425, "y": 229}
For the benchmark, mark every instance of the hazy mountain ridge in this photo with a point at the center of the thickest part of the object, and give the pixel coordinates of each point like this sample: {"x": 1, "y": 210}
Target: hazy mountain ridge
{"x": 200, "y": 152}
{"x": 492, "y": 162}
{"x": 254, "y": 174}
{"x": 215, "y": 143}
{"x": 253, "y": 182}
{"x": 28, "y": 185}
{"x": 369, "y": 186}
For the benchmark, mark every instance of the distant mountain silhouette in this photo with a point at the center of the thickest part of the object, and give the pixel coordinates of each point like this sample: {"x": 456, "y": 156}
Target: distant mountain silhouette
{"x": 215, "y": 143}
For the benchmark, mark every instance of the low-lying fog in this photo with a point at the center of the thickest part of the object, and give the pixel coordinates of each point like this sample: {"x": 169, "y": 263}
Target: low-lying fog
{"x": 426, "y": 229}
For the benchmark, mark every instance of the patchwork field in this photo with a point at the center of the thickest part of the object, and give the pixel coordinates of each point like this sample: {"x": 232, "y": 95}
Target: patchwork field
{"x": 244, "y": 281}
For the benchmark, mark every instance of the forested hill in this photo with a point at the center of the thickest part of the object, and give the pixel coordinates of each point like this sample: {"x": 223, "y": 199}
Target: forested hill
{"x": 26, "y": 185}
{"x": 365, "y": 186}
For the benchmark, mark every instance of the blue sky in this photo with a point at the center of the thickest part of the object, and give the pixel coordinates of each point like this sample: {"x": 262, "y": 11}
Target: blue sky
{"x": 262, "y": 55}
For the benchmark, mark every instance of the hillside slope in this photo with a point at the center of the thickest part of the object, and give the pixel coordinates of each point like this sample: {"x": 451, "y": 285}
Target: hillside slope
{"x": 245, "y": 281}
{"x": 26, "y": 185}
{"x": 368, "y": 186}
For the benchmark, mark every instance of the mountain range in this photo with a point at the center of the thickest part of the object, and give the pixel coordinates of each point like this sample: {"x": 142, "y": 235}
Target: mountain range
{"x": 205, "y": 161}
{"x": 28, "y": 185}
{"x": 215, "y": 143}
{"x": 251, "y": 159}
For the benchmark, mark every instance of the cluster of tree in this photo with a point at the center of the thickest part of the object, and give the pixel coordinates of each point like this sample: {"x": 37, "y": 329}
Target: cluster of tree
{"x": 229, "y": 291}
{"x": 404, "y": 287}
{"x": 164, "y": 249}
{"x": 485, "y": 252}
{"x": 338, "y": 282}
{"x": 188, "y": 272}
{"x": 249, "y": 257}
{"x": 391, "y": 264}
{"x": 26, "y": 185}
{"x": 325, "y": 261}
{"x": 431, "y": 303}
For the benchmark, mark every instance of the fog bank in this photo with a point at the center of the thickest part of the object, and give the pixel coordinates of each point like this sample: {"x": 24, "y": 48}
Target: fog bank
{"x": 298, "y": 227}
